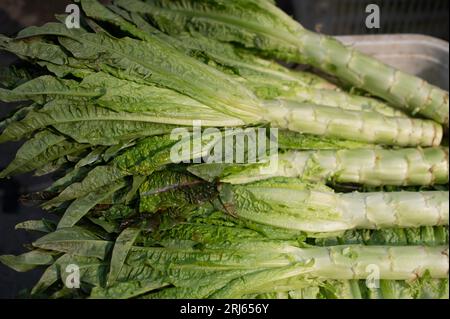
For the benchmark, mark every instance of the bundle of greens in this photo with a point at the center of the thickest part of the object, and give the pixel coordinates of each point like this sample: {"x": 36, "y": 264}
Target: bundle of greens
{"x": 261, "y": 26}
{"x": 357, "y": 206}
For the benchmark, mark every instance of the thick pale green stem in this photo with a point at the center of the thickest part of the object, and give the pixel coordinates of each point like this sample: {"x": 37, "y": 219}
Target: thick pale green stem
{"x": 286, "y": 206}
{"x": 394, "y": 263}
{"x": 257, "y": 70}
{"x": 312, "y": 267}
{"x": 262, "y": 26}
{"x": 268, "y": 87}
{"x": 345, "y": 101}
{"x": 374, "y": 167}
{"x": 405, "y": 91}
{"x": 334, "y": 262}
{"x": 369, "y": 127}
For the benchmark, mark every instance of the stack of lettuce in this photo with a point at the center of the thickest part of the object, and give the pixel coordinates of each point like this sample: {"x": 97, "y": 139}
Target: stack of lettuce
{"x": 357, "y": 206}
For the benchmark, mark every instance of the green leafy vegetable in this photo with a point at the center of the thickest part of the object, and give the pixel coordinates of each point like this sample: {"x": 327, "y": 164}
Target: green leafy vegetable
{"x": 145, "y": 116}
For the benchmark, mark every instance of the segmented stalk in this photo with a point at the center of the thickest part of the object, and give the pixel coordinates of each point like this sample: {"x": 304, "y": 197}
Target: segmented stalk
{"x": 370, "y": 127}
{"x": 256, "y": 71}
{"x": 289, "y": 267}
{"x": 392, "y": 262}
{"x": 262, "y": 26}
{"x": 269, "y": 88}
{"x": 318, "y": 211}
{"x": 342, "y": 262}
{"x": 346, "y": 101}
{"x": 405, "y": 91}
{"x": 375, "y": 167}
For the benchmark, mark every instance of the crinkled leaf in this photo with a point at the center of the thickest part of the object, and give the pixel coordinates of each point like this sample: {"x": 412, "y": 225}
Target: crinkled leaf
{"x": 170, "y": 189}
{"x": 125, "y": 290}
{"x": 41, "y": 225}
{"x": 86, "y": 123}
{"x": 159, "y": 63}
{"x": 70, "y": 177}
{"x": 122, "y": 246}
{"x": 81, "y": 206}
{"x": 76, "y": 241}
{"x": 35, "y": 48}
{"x": 43, "y": 148}
{"x": 94, "y": 156}
{"x": 97, "y": 178}
{"x": 28, "y": 261}
{"x": 11, "y": 77}
{"x": 252, "y": 23}
{"x": 46, "y": 87}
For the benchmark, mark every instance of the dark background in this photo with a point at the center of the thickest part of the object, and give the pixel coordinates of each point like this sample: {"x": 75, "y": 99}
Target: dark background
{"x": 343, "y": 17}
{"x": 328, "y": 16}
